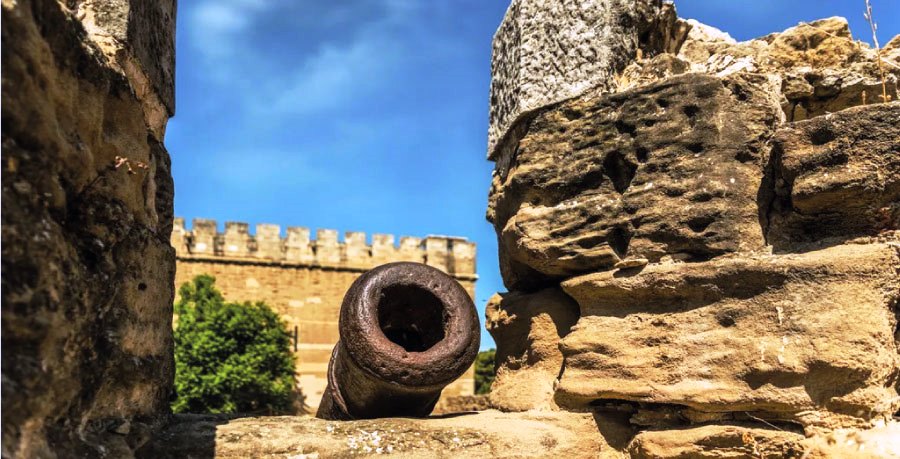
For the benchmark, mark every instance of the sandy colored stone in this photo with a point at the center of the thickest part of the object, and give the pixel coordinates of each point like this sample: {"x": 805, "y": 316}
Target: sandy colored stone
{"x": 879, "y": 442}
{"x": 717, "y": 441}
{"x": 807, "y": 338}
{"x": 548, "y": 51}
{"x": 821, "y": 57}
{"x": 527, "y": 329}
{"x": 672, "y": 167}
{"x": 836, "y": 177}
{"x": 486, "y": 434}
{"x": 87, "y": 266}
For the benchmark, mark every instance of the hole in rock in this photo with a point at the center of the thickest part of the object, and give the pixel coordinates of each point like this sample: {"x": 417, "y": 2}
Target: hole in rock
{"x": 700, "y": 223}
{"x": 696, "y": 147}
{"x": 821, "y": 136}
{"x": 619, "y": 170}
{"x": 625, "y": 128}
{"x": 411, "y": 317}
{"x": 691, "y": 110}
{"x": 618, "y": 240}
{"x": 642, "y": 154}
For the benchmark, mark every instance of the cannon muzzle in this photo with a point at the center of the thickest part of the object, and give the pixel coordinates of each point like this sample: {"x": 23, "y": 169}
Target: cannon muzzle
{"x": 407, "y": 330}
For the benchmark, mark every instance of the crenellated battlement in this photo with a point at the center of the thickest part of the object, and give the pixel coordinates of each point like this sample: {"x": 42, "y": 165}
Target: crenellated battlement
{"x": 454, "y": 255}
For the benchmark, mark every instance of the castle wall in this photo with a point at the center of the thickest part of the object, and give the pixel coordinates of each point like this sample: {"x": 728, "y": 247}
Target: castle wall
{"x": 305, "y": 279}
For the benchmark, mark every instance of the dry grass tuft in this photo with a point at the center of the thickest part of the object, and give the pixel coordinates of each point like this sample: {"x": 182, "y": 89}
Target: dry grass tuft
{"x": 874, "y": 27}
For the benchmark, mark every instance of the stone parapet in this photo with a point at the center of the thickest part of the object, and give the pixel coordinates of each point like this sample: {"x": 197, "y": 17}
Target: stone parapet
{"x": 455, "y": 255}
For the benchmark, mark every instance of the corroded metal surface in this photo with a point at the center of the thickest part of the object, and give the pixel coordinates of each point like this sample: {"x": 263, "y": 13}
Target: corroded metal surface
{"x": 407, "y": 330}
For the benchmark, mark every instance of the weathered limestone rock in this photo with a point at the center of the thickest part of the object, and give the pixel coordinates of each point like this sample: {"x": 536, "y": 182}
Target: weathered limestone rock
{"x": 715, "y": 442}
{"x": 823, "y": 69}
{"x": 655, "y": 192}
{"x": 879, "y": 442}
{"x": 527, "y": 329}
{"x": 836, "y": 177}
{"x": 87, "y": 212}
{"x": 548, "y": 51}
{"x": 669, "y": 168}
{"x": 486, "y": 434}
{"x": 804, "y": 338}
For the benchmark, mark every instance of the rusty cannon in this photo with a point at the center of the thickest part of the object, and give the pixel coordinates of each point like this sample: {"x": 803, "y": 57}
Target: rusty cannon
{"x": 407, "y": 330}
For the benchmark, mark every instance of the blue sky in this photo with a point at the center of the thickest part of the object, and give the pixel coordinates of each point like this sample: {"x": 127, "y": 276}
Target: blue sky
{"x": 371, "y": 115}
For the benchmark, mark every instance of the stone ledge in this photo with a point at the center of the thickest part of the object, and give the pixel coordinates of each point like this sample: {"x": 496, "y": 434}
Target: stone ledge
{"x": 471, "y": 434}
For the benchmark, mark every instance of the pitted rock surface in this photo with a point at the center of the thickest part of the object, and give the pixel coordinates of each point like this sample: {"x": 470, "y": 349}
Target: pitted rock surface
{"x": 669, "y": 168}
{"x": 822, "y": 68}
{"x": 835, "y": 177}
{"x": 87, "y": 267}
{"x": 807, "y": 338}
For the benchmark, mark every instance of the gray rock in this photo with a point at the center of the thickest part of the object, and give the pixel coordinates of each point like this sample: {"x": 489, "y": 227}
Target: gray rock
{"x": 548, "y": 51}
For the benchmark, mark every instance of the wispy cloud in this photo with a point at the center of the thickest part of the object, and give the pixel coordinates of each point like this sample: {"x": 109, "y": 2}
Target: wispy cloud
{"x": 217, "y": 24}
{"x": 336, "y": 75}
{"x": 335, "y": 71}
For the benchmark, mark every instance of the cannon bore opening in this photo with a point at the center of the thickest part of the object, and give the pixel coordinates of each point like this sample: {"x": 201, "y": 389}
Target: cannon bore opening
{"x": 412, "y": 317}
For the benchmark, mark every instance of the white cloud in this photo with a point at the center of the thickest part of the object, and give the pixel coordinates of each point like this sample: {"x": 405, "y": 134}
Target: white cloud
{"x": 216, "y": 24}
{"x": 335, "y": 75}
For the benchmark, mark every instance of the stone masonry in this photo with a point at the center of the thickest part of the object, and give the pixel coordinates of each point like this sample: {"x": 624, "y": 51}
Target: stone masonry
{"x": 305, "y": 279}
{"x": 704, "y": 247}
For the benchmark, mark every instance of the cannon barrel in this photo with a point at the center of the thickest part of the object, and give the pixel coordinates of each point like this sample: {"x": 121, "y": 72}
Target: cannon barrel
{"x": 407, "y": 330}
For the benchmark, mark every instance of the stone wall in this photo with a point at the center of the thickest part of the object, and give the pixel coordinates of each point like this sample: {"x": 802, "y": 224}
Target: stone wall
{"x": 701, "y": 243}
{"x": 87, "y": 213}
{"x": 305, "y": 279}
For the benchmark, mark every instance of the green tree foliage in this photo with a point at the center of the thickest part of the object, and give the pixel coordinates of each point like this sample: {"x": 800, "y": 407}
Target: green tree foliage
{"x": 229, "y": 357}
{"x": 484, "y": 371}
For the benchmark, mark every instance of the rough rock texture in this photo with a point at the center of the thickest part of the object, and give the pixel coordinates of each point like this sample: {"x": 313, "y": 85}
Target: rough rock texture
{"x": 548, "y": 51}
{"x": 672, "y": 168}
{"x": 821, "y": 67}
{"x": 527, "y": 329}
{"x": 736, "y": 268}
{"x": 879, "y": 442}
{"x": 804, "y": 338}
{"x": 87, "y": 212}
{"x": 486, "y": 434}
{"x": 836, "y": 177}
{"x": 715, "y": 442}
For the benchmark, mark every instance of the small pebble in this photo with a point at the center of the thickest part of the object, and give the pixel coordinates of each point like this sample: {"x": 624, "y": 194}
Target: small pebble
{"x": 632, "y": 263}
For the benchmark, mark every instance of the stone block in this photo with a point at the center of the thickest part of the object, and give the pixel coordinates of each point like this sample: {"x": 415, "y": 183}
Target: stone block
{"x": 411, "y": 249}
{"x": 463, "y": 255}
{"x": 527, "y": 329}
{"x": 297, "y": 246}
{"x": 548, "y": 51}
{"x": 835, "y": 177}
{"x": 357, "y": 251}
{"x": 487, "y": 434}
{"x": 236, "y": 240}
{"x": 717, "y": 441}
{"x": 268, "y": 242}
{"x": 328, "y": 250}
{"x": 383, "y": 249}
{"x": 203, "y": 236}
{"x": 806, "y": 338}
{"x": 669, "y": 168}
{"x": 437, "y": 252}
